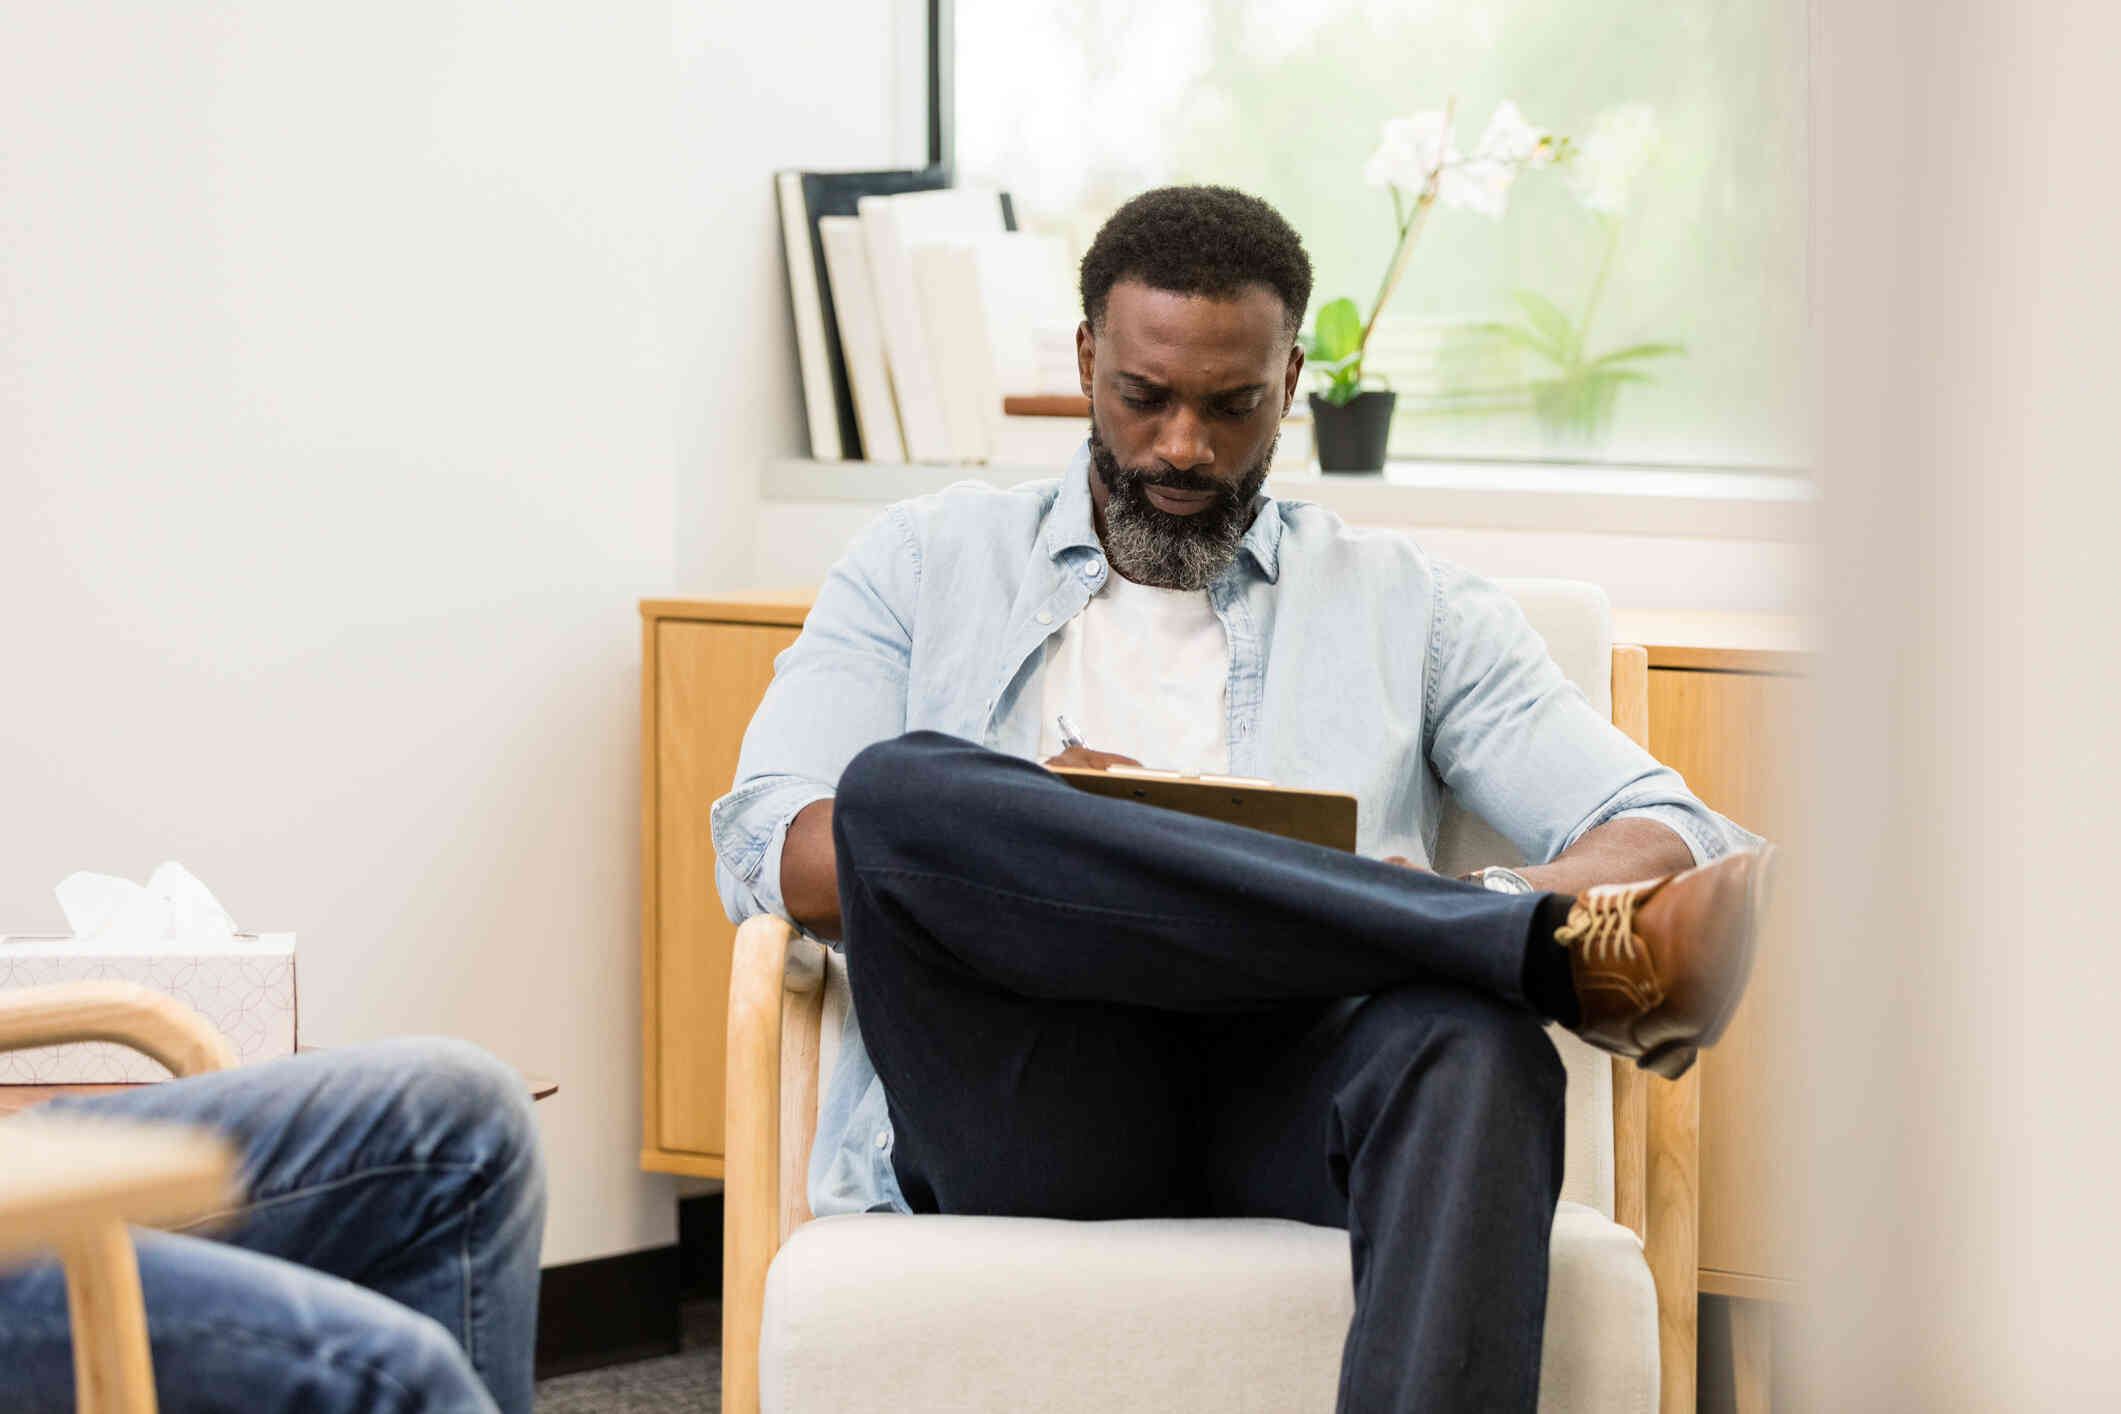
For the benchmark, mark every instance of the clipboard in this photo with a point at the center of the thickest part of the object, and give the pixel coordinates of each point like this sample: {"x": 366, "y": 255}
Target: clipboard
{"x": 1314, "y": 816}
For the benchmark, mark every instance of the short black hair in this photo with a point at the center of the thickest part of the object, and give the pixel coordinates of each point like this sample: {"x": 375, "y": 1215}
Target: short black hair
{"x": 1211, "y": 241}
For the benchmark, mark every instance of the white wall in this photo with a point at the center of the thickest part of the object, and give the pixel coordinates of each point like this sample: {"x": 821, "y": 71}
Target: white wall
{"x": 359, "y": 367}
{"x": 762, "y": 87}
{"x": 1962, "y": 1038}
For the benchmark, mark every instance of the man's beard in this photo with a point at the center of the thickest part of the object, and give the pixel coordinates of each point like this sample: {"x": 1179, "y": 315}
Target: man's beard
{"x": 1155, "y": 547}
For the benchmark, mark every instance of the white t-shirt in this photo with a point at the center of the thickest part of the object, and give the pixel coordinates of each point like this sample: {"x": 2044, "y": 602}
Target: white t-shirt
{"x": 1144, "y": 672}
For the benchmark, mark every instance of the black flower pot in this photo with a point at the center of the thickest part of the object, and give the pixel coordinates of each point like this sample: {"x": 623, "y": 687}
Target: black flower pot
{"x": 1351, "y": 436}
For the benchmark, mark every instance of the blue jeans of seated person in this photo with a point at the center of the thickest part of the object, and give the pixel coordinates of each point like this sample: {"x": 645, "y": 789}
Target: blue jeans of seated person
{"x": 1085, "y": 1008}
{"x": 385, "y": 1260}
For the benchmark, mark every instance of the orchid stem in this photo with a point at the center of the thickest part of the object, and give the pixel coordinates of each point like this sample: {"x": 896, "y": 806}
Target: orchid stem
{"x": 1399, "y": 262}
{"x": 1605, "y": 269}
{"x": 1410, "y": 226}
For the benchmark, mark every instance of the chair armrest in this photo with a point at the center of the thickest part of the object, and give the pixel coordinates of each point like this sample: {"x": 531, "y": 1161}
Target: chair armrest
{"x": 1657, "y": 1138}
{"x": 1673, "y": 1242}
{"x": 124, "y": 1012}
{"x": 67, "y": 1177}
{"x": 776, "y": 988}
{"x": 70, "y": 1186}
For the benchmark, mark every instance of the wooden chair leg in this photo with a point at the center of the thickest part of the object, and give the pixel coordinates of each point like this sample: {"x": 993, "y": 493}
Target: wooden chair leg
{"x": 112, "y": 1373}
{"x": 1673, "y": 1244}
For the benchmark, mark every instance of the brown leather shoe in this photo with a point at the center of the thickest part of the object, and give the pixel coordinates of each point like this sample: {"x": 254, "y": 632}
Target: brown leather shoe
{"x": 1660, "y": 965}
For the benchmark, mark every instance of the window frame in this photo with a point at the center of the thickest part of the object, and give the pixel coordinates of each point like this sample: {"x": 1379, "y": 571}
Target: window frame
{"x": 1776, "y": 482}
{"x": 942, "y": 85}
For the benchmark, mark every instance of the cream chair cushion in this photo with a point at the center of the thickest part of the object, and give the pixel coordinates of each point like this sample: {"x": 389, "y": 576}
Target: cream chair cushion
{"x": 878, "y": 1313}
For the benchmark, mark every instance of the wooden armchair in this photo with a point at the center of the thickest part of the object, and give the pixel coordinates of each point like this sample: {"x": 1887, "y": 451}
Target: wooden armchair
{"x": 71, "y": 1186}
{"x": 786, "y": 1001}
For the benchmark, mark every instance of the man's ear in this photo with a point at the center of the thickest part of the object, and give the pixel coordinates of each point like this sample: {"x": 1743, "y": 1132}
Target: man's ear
{"x": 1296, "y": 371}
{"x": 1085, "y": 355}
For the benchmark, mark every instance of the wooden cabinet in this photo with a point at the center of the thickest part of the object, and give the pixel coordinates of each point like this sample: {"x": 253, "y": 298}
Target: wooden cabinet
{"x": 1725, "y": 700}
{"x": 704, "y": 666}
{"x": 1724, "y": 707}
{"x": 1748, "y": 1130}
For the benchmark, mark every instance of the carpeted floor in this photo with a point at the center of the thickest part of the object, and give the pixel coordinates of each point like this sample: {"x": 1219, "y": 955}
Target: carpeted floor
{"x": 689, "y": 1382}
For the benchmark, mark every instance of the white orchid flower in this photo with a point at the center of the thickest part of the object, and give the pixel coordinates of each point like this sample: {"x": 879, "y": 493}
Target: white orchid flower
{"x": 1478, "y": 186}
{"x": 1415, "y": 157}
{"x": 1509, "y": 138}
{"x": 1612, "y": 156}
{"x": 1507, "y": 144}
{"x": 1409, "y": 151}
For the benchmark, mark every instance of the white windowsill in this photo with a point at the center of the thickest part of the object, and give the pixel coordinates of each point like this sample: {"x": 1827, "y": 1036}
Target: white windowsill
{"x": 1610, "y": 500}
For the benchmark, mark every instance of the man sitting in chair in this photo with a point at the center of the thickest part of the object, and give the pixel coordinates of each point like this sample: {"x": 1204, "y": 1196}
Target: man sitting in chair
{"x": 384, "y": 1259}
{"x": 1070, "y": 1006}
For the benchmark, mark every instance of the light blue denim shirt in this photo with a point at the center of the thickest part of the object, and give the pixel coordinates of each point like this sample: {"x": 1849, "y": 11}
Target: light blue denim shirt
{"x": 1357, "y": 664}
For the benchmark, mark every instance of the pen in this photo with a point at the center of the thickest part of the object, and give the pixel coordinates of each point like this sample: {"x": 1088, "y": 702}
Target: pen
{"x": 1069, "y": 736}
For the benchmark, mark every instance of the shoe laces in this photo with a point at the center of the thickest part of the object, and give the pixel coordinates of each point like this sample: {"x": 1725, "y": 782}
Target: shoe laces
{"x": 1601, "y": 925}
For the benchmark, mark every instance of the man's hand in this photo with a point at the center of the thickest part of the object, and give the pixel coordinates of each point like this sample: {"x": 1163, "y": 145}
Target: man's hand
{"x": 1086, "y": 758}
{"x": 810, "y": 876}
{"x": 1405, "y": 863}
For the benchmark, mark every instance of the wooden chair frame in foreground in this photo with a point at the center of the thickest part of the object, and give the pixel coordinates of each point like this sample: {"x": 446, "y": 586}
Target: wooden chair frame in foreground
{"x": 776, "y": 1000}
{"x": 71, "y": 1187}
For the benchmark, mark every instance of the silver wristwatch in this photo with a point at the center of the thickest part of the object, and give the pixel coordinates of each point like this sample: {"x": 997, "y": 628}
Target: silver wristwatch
{"x": 1497, "y": 879}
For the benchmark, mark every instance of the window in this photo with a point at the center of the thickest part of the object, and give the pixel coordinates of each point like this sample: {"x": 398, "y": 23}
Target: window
{"x": 1074, "y": 105}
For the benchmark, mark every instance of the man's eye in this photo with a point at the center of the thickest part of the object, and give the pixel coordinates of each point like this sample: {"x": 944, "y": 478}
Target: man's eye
{"x": 1140, "y": 404}
{"x": 1231, "y": 410}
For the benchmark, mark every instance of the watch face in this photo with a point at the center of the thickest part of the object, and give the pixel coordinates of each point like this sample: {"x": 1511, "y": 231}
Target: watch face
{"x": 1505, "y": 881}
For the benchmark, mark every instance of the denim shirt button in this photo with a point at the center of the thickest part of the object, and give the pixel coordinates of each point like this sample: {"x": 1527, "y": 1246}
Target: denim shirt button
{"x": 1045, "y": 616}
{"x": 883, "y": 1139}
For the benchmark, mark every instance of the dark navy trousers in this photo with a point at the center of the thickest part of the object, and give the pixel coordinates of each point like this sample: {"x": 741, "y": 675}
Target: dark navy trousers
{"x": 1091, "y": 1008}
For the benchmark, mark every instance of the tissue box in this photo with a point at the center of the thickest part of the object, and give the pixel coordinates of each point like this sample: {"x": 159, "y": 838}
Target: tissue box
{"x": 247, "y": 990}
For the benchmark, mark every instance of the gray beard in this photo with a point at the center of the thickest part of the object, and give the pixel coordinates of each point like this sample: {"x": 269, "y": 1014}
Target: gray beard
{"x": 1167, "y": 551}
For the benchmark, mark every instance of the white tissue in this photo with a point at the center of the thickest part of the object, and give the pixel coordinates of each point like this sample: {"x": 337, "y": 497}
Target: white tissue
{"x": 173, "y": 912}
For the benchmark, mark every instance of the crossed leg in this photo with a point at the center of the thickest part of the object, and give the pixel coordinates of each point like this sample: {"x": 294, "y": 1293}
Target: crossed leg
{"x": 1081, "y": 1008}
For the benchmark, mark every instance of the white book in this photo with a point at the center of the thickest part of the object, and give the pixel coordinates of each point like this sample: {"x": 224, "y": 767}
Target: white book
{"x": 948, "y": 288}
{"x": 812, "y": 354}
{"x": 893, "y": 226}
{"x": 983, "y": 301}
{"x": 861, "y": 337}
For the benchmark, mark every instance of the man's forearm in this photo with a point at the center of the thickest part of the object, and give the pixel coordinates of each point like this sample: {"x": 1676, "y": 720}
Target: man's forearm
{"x": 1619, "y": 852}
{"x": 810, "y": 881}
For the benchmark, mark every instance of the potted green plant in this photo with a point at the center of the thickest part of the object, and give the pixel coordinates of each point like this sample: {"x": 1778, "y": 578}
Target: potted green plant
{"x": 1351, "y": 413}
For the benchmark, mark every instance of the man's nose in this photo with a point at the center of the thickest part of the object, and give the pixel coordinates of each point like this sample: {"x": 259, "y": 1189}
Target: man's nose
{"x": 1182, "y": 443}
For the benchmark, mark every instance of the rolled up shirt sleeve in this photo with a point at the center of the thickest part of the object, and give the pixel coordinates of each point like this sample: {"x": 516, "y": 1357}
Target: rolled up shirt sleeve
{"x": 838, "y": 688}
{"x": 1523, "y": 748}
